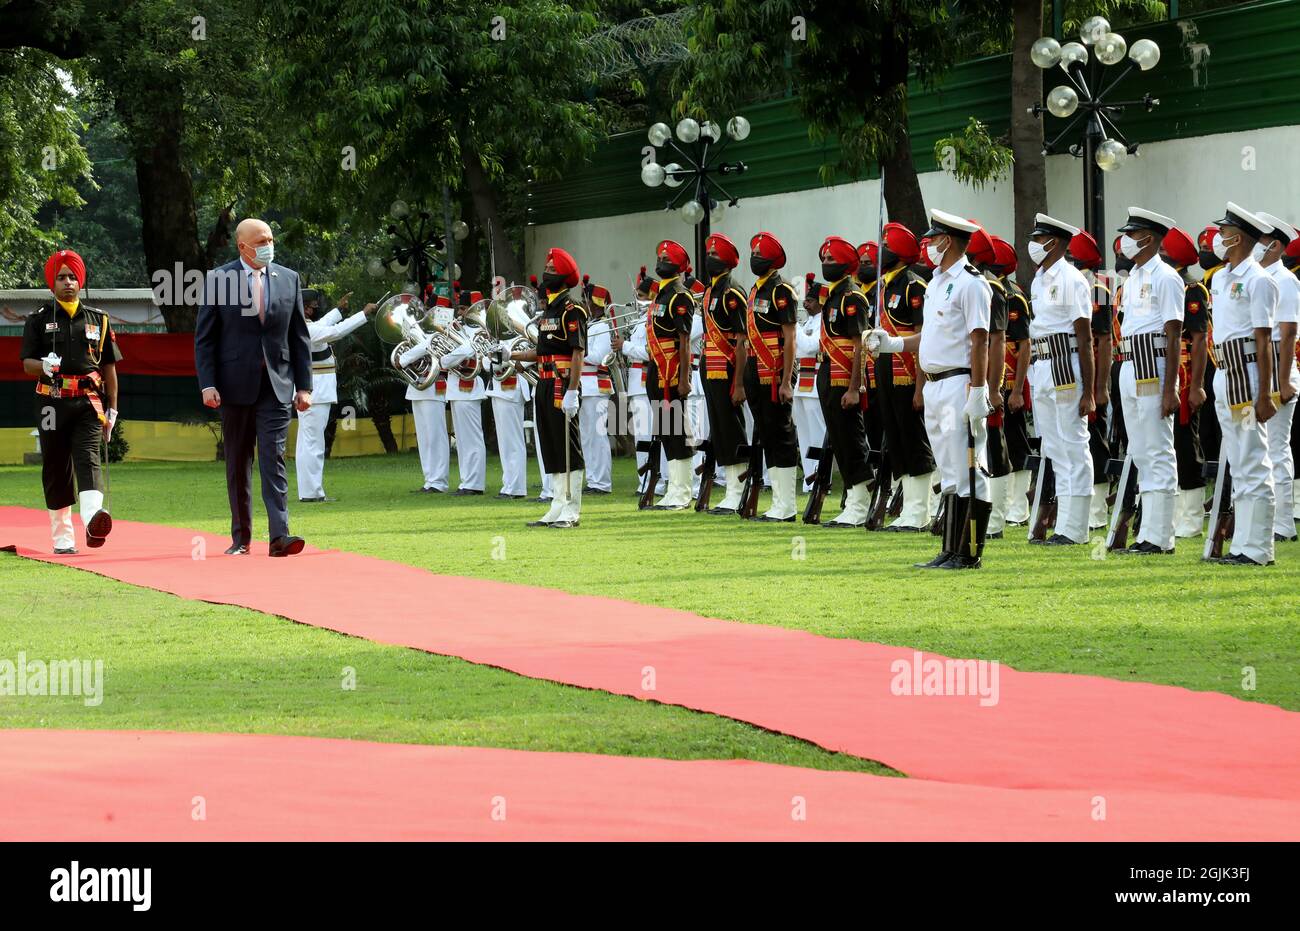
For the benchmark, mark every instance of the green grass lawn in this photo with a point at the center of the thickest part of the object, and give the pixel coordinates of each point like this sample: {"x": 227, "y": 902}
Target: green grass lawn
{"x": 179, "y": 664}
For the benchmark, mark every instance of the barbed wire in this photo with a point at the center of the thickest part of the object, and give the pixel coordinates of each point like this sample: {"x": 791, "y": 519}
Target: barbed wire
{"x": 638, "y": 44}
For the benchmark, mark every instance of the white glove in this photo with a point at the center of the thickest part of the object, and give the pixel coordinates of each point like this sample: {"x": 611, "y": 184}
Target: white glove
{"x": 977, "y": 403}
{"x": 50, "y": 364}
{"x": 112, "y": 419}
{"x": 879, "y": 341}
{"x": 570, "y": 403}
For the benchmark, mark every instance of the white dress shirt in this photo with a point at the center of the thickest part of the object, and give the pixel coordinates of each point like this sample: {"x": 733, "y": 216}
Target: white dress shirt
{"x": 957, "y": 303}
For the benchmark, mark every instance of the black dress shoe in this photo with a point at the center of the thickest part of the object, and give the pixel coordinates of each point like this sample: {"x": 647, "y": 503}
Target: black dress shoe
{"x": 961, "y": 562}
{"x": 776, "y": 520}
{"x": 539, "y": 523}
{"x": 895, "y": 528}
{"x": 721, "y": 510}
{"x": 563, "y": 524}
{"x": 1060, "y": 539}
{"x": 426, "y": 491}
{"x": 66, "y": 551}
{"x": 1146, "y": 548}
{"x": 597, "y": 491}
{"x": 99, "y": 526}
{"x": 237, "y": 549}
{"x": 94, "y": 542}
{"x": 313, "y": 500}
{"x": 935, "y": 563}
{"x": 462, "y": 492}
{"x": 995, "y": 535}
{"x": 287, "y": 546}
{"x": 1241, "y": 559}
{"x": 502, "y": 496}
{"x": 1278, "y": 538}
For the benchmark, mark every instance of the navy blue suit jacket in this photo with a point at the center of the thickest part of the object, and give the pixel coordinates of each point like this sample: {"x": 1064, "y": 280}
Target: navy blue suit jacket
{"x": 230, "y": 342}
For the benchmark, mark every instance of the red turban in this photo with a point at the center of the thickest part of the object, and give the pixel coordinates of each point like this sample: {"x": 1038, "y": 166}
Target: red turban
{"x": 1179, "y": 247}
{"x": 769, "y": 247}
{"x": 54, "y": 264}
{"x": 1083, "y": 249}
{"x": 564, "y": 265}
{"x": 839, "y": 250}
{"x": 724, "y": 247}
{"x": 902, "y": 242}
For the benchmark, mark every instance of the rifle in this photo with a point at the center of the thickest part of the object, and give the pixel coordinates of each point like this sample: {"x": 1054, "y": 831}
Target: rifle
{"x": 753, "y": 477}
{"x": 650, "y": 470}
{"x": 1044, "y": 499}
{"x": 707, "y": 471}
{"x": 825, "y": 456}
{"x": 1125, "y": 505}
{"x": 1222, "y": 519}
{"x": 880, "y": 502}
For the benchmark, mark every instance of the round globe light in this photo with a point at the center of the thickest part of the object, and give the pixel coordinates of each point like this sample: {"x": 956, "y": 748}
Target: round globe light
{"x": 659, "y": 134}
{"x": 691, "y": 212}
{"x": 1093, "y": 28}
{"x": 1072, "y": 52}
{"x": 1145, "y": 54}
{"x": 1111, "y": 154}
{"x": 459, "y": 230}
{"x": 399, "y": 210}
{"x": 668, "y": 175}
{"x": 398, "y": 267}
{"x": 688, "y": 130}
{"x": 1062, "y": 101}
{"x": 455, "y": 271}
{"x": 738, "y": 128}
{"x": 1045, "y": 52}
{"x": 718, "y": 210}
{"x": 1111, "y": 48}
{"x": 375, "y": 267}
{"x": 711, "y": 131}
{"x": 652, "y": 175}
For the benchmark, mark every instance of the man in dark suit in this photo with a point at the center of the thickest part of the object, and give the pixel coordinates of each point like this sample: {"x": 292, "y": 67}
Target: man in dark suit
{"x": 251, "y": 351}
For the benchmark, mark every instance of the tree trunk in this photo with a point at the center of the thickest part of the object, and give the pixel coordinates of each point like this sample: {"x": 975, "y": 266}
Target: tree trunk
{"x": 1029, "y": 173}
{"x": 169, "y": 224}
{"x": 485, "y": 208}
{"x": 381, "y": 416}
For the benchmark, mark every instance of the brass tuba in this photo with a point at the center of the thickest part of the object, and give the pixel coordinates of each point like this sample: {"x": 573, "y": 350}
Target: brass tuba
{"x": 403, "y": 322}
{"x": 509, "y": 318}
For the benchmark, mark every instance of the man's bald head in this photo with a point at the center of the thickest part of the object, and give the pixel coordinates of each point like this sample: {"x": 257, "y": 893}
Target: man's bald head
{"x": 249, "y": 235}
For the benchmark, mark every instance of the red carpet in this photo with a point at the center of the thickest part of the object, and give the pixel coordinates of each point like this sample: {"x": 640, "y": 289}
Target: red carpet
{"x": 109, "y": 785}
{"x": 1046, "y": 731}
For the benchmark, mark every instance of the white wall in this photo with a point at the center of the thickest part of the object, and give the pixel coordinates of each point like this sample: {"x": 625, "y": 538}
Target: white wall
{"x": 1187, "y": 179}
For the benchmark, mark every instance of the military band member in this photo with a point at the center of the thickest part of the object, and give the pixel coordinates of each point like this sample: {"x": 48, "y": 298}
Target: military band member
{"x": 723, "y": 316}
{"x": 71, "y": 350}
{"x": 806, "y": 408}
{"x": 1061, "y": 376}
{"x": 899, "y": 383}
{"x": 509, "y": 396}
{"x": 309, "y": 449}
{"x": 597, "y": 388}
{"x": 1286, "y": 379}
{"x": 1148, "y": 388}
{"x": 668, "y": 377}
{"x": 1014, "y": 506}
{"x": 1245, "y": 297}
{"x": 1085, "y": 255}
{"x": 839, "y": 377}
{"x": 952, "y": 350}
{"x": 697, "y": 412}
{"x": 429, "y": 411}
{"x": 634, "y": 350}
{"x": 770, "y": 315}
{"x": 465, "y": 397}
{"x": 561, "y": 345}
{"x": 1189, "y": 515}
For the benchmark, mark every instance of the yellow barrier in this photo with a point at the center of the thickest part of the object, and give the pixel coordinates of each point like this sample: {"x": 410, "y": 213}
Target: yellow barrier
{"x": 164, "y": 441}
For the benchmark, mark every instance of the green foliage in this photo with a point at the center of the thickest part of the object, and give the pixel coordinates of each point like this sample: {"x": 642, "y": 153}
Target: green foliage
{"x": 973, "y": 156}
{"x": 118, "y": 446}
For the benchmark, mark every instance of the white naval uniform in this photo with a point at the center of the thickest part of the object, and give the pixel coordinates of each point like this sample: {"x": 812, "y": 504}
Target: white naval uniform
{"x": 593, "y": 414}
{"x": 1279, "y": 425}
{"x": 309, "y": 450}
{"x": 465, "y": 396}
{"x": 1060, "y": 295}
{"x": 697, "y": 409}
{"x": 1244, "y": 298}
{"x": 957, "y": 302}
{"x": 508, "y": 415}
{"x": 809, "y": 423}
{"x": 1154, "y": 294}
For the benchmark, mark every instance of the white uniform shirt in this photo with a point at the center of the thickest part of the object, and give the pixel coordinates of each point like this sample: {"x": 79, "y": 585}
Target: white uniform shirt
{"x": 1153, "y": 295}
{"x": 1060, "y": 295}
{"x": 697, "y": 349}
{"x": 1244, "y": 298}
{"x": 520, "y": 393}
{"x": 477, "y": 390}
{"x": 1288, "y": 298}
{"x": 807, "y": 341}
{"x": 957, "y": 302}
{"x": 637, "y": 354}
{"x": 328, "y": 329}
{"x": 598, "y": 350}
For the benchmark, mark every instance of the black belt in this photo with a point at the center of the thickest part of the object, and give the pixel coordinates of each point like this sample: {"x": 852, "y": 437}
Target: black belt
{"x": 321, "y": 355}
{"x": 946, "y": 373}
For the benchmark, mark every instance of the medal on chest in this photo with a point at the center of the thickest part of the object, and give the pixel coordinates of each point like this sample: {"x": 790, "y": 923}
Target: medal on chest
{"x": 92, "y": 332}
{"x": 549, "y": 325}
{"x": 893, "y": 301}
{"x": 52, "y": 326}
{"x": 1238, "y": 291}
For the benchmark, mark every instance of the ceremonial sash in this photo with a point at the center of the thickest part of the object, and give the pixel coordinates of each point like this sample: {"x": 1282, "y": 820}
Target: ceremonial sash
{"x": 74, "y": 389}
{"x": 557, "y": 369}
{"x": 765, "y": 346}
{"x": 440, "y": 386}
{"x": 807, "y": 372}
{"x": 508, "y": 383}
{"x": 721, "y": 351}
{"x": 839, "y": 350}
{"x": 904, "y": 368}
{"x": 466, "y": 384}
{"x": 665, "y": 359}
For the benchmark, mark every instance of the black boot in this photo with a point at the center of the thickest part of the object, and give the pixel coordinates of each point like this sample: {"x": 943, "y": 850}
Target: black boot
{"x": 968, "y": 552}
{"x": 950, "y": 531}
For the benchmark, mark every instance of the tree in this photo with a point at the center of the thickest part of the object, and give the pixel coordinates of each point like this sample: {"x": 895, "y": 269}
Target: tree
{"x": 848, "y": 65}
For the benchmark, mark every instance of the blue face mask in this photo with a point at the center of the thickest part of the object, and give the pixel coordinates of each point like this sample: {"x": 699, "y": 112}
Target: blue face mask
{"x": 265, "y": 254}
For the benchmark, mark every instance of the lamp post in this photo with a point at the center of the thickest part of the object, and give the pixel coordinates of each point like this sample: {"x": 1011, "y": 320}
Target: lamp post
{"x": 701, "y": 146}
{"x": 415, "y": 249}
{"x": 1102, "y": 147}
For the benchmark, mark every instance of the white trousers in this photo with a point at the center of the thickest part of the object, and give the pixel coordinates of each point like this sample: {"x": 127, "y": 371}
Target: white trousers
{"x": 593, "y": 422}
{"x": 1279, "y": 452}
{"x": 945, "y": 424}
{"x": 471, "y": 452}
{"x": 309, "y": 451}
{"x": 1063, "y": 431}
{"x": 509, "y": 418}
{"x": 431, "y": 439}
{"x": 1150, "y": 435}
{"x": 1245, "y": 444}
{"x": 810, "y": 426}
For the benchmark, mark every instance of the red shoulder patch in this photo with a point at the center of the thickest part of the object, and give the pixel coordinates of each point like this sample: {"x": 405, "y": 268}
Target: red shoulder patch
{"x": 782, "y": 302}
{"x": 917, "y": 301}
{"x": 573, "y": 326}
{"x": 732, "y": 303}
{"x": 1194, "y": 307}
{"x": 851, "y": 309}
{"x": 1013, "y": 315}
